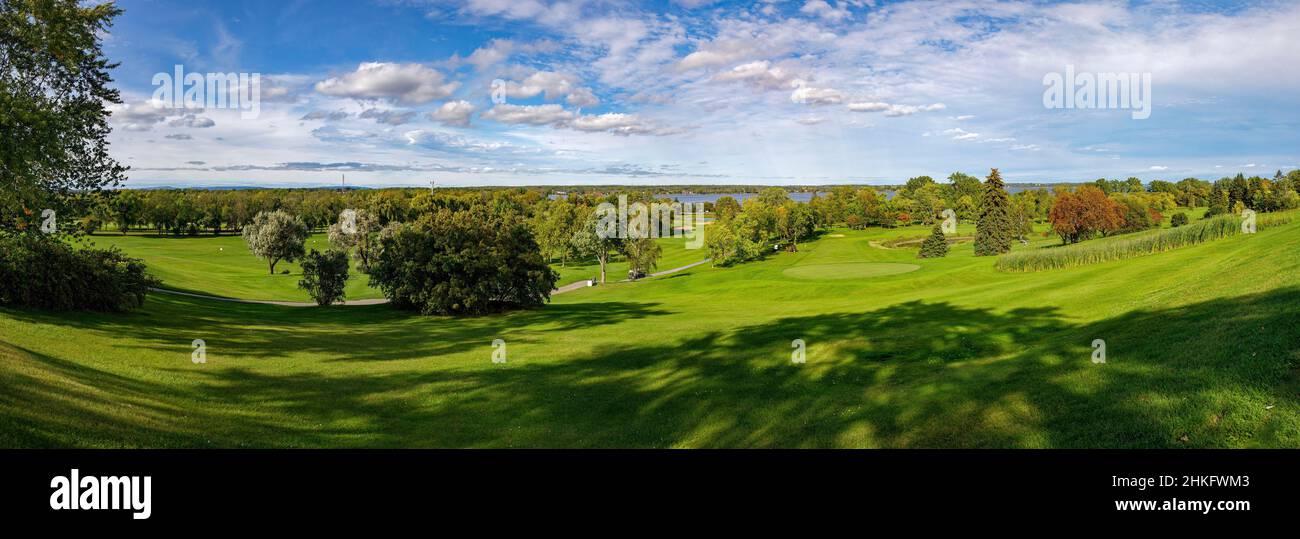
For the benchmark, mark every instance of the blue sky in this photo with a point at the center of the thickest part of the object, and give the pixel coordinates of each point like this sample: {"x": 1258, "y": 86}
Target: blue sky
{"x": 401, "y": 92}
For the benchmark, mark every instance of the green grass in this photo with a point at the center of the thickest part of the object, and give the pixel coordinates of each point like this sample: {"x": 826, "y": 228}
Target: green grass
{"x": 223, "y": 266}
{"x": 849, "y": 270}
{"x": 1201, "y": 346}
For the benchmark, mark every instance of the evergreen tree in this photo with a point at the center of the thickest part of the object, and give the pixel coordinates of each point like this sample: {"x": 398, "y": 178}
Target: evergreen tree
{"x": 994, "y": 230}
{"x": 935, "y": 246}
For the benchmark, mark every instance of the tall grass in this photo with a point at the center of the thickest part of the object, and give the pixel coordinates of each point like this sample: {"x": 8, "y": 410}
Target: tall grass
{"x": 1144, "y": 244}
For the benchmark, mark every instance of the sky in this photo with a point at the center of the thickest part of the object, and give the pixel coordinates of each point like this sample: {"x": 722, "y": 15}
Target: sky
{"x": 540, "y": 92}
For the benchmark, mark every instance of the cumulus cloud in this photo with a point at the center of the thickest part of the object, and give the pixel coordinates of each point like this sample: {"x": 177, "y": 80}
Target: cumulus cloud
{"x": 144, "y": 115}
{"x": 192, "y": 120}
{"x": 814, "y": 96}
{"x": 760, "y": 73}
{"x": 454, "y": 113}
{"x": 582, "y": 97}
{"x": 406, "y": 83}
{"x": 823, "y": 10}
{"x": 549, "y": 114}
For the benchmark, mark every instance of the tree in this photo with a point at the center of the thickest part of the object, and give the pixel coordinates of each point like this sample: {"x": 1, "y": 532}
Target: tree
{"x": 735, "y": 241}
{"x": 325, "y": 275}
{"x": 555, "y": 227}
{"x": 1179, "y": 219}
{"x": 596, "y": 238}
{"x": 1077, "y": 216}
{"x": 726, "y": 208}
{"x": 642, "y": 255}
{"x": 465, "y": 262}
{"x": 126, "y": 208}
{"x": 935, "y": 246}
{"x": 795, "y": 221}
{"x": 275, "y": 236}
{"x": 993, "y": 231}
{"x": 358, "y": 229}
{"x": 54, "y": 86}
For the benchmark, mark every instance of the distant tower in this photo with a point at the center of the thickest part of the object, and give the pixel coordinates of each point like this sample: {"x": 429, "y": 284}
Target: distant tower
{"x": 343, "y": 185}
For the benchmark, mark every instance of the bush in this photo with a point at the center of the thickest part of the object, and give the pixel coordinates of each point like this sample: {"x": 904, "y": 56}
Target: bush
{"x": 935, "y": 246}
{"x": 1179, "y": 219}
{"x": 325, "y": 275}
{"x": 46, "y": 273}
{"x": 462, "y": 263}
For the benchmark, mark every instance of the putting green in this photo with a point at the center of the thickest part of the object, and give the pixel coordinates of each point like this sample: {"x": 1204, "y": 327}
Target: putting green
{"x": 848, "y": 270}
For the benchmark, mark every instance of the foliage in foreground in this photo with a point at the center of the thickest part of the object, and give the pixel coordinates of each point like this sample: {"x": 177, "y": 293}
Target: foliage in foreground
{"x": 462, "y": 263}
{"x": 325, "y": 275}
{"x": 1155, "y": 242}
{"x": 54, "y": 89}
{"x": 44, "y": 272}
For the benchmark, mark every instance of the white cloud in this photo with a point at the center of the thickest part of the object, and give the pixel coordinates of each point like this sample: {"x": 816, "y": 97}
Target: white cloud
{"x": 1158, "y": 168}
{"x": 406, "y": 83}
{"x": 961, "y": 134}
{"x": 892, "y": 109}
{"x": 760, "y": 73}
{"x": 454, "y": 113}
{"x": 582, "y": 97}
{"x": 814, "y": 96}
{"x": 823, "y": 10}
{"x": 529, "y": 114}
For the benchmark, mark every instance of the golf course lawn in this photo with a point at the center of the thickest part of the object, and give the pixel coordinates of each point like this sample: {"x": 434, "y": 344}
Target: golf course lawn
{"x": 1202, "y": 346}
{"x": 222, "y": 266}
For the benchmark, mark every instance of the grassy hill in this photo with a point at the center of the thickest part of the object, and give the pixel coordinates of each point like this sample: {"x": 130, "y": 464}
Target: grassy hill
{"x": 1201, "y": 352}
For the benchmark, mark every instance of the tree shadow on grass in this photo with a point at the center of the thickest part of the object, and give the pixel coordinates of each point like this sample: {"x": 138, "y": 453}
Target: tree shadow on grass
{"x": 339, "y": 333}
{"x": 916, "y": 374}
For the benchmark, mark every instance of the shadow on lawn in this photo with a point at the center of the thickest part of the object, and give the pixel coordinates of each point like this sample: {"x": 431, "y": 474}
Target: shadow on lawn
{"x": 339, "y": 333}
{"x": 912, "y": 375}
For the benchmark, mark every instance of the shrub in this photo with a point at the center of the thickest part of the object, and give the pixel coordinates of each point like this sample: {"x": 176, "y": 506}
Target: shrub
{"x": 462, "y": 263}
{"x": 935, "y": 246}
{"x": 1179, "y": 219}
{"x": 325, "y": 275}
{"x": 46, "y": 273}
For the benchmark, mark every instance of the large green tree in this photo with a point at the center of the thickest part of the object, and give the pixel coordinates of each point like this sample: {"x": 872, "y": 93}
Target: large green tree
{"x": 994, "y": 229}
{"x": 54, "y": 88}
{"x": 466, "y": 262}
